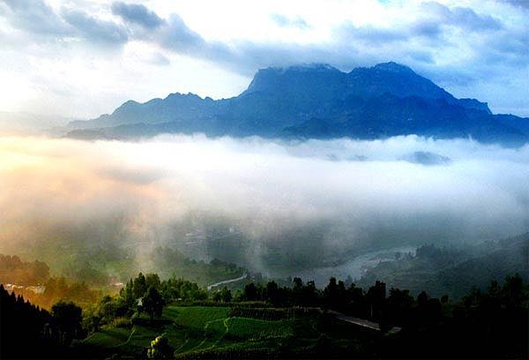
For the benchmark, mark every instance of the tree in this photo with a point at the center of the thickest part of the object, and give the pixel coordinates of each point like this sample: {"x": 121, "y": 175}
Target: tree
{"x": 399, "y": 305}
{"x": 512, "y": 290}
{"x": 226, "y": 294}
{"x": 139, "y": 286}
{"x": 376, "y": 299}
{"x": 153, "y": 303}
{"x": 298, "y": 283}
{"x": 127, "y": 294}
{"x": 310, "y": 294}
{"x": 251, "y": 292}
{"x": 152, "y": 280}
{"x": 223, "y": 295}
{"x": 330, "y": 292}
{"x": 272, "y": 293}
{"x": 68, "y": 319}
{"x": 92, "y": 323}
{"x": 23, "y": 328}
{"x": 422, "y": 299}
{"x": 357, "y": 302}
{"x": 160, "y": 349}
{"x": 106, "y": 309}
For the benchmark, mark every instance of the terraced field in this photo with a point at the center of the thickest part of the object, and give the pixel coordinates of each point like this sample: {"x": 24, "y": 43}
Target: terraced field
{"x": 210, "y": 332}
{"x": 189, "y": 330}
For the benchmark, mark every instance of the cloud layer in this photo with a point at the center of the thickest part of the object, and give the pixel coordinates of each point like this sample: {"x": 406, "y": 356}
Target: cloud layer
{"x": 316, "y": 202}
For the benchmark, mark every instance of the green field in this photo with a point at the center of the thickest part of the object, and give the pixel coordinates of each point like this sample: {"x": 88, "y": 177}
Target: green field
{"x": 200, "y": 331}
{"x": 255, "y": 329}
{"x": 110, "y": 337}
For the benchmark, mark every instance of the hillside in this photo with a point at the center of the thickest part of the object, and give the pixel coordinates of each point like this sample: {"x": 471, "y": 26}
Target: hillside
{"x": 454, "y": 272}
{"x": 176, "y": 318}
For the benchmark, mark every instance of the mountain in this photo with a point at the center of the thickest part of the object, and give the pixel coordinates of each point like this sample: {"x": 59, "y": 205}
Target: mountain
{"x": 316, "y": 101}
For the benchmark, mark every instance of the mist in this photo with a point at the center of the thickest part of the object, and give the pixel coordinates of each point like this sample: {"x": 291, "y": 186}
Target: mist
{"x": 272, "y": 206}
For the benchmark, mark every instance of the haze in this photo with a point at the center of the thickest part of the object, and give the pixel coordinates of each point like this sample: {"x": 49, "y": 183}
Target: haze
{"x": 348, "y": 196}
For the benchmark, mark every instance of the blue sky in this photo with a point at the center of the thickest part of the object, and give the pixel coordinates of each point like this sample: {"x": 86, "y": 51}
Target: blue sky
{"x": 81, "y": 58}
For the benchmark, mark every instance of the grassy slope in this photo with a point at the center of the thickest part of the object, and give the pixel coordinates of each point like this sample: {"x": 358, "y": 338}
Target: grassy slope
{"x": 211, "y": 332}
{"x": 188, "y": 329}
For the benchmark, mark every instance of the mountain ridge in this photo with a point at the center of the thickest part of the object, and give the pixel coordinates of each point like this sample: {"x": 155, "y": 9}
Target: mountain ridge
{"x": 316, "y": 101}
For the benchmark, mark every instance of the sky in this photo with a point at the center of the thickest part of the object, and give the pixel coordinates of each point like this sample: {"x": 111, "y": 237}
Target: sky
{"x": 82, "y": 58}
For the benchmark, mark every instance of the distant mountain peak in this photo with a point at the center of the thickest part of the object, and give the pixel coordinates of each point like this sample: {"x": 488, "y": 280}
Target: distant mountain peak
{"x": 178, "y": 95}
{"x": 311, "y": 67}
{"x": 304, "y": 67}
{"x": 130, "y": 103}
{"x": 394, "y": 67}
{"x": 278, "y": 78}
{"x": 396, "y": 79}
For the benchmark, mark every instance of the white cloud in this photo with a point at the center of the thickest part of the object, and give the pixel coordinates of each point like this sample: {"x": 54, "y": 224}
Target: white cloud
{"x": 337, "y": 196}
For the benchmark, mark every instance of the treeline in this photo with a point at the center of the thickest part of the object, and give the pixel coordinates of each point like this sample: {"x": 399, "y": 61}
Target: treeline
{"x": 395, "y": 307}
{"x": 26, "y": 275}
{"x": 486, "y": 324}
{"x": 143, "y": 294}
{"x": 28, "y": 331}
{"x": 351, "y": 300}
{"x": 15, "y": 271}
{"x": 58, "y": 288}
{"x": 489, "y": 323}
{"x": 32, "y": 280}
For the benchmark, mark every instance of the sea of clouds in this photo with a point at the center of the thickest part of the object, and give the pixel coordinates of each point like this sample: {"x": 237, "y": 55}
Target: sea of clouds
{"x": 353, "y": 196}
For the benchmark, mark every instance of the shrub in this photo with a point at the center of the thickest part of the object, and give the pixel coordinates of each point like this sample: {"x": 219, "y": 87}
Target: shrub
{"x": 122, "y": 322}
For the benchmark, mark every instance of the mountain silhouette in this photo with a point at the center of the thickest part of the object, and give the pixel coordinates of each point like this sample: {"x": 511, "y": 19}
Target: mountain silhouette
{"x": 316, "y": 101}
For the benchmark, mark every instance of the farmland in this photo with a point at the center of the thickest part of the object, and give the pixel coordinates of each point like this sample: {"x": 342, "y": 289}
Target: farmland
{"x": 271, "y": 322}
{"x": 202, "y": 331}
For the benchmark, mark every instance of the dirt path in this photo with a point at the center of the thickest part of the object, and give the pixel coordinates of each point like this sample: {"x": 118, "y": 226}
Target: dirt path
{"x": 225, "y": 323}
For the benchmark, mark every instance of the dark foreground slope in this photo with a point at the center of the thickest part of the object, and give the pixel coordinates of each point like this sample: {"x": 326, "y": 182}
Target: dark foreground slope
{"x": 300, "y": 321}
{"x": 175, "y": 318}
{"x": 316, "y": 101}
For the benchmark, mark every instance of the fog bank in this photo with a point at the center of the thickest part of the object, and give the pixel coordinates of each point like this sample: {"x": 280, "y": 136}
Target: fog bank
{"x": 265, "y": 204}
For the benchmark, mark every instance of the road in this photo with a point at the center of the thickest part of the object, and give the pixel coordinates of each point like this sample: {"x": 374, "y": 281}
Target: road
{"x": 224, "y": 282}
{"x": 357, "y": 321}
{"x": 362, "y": 322}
